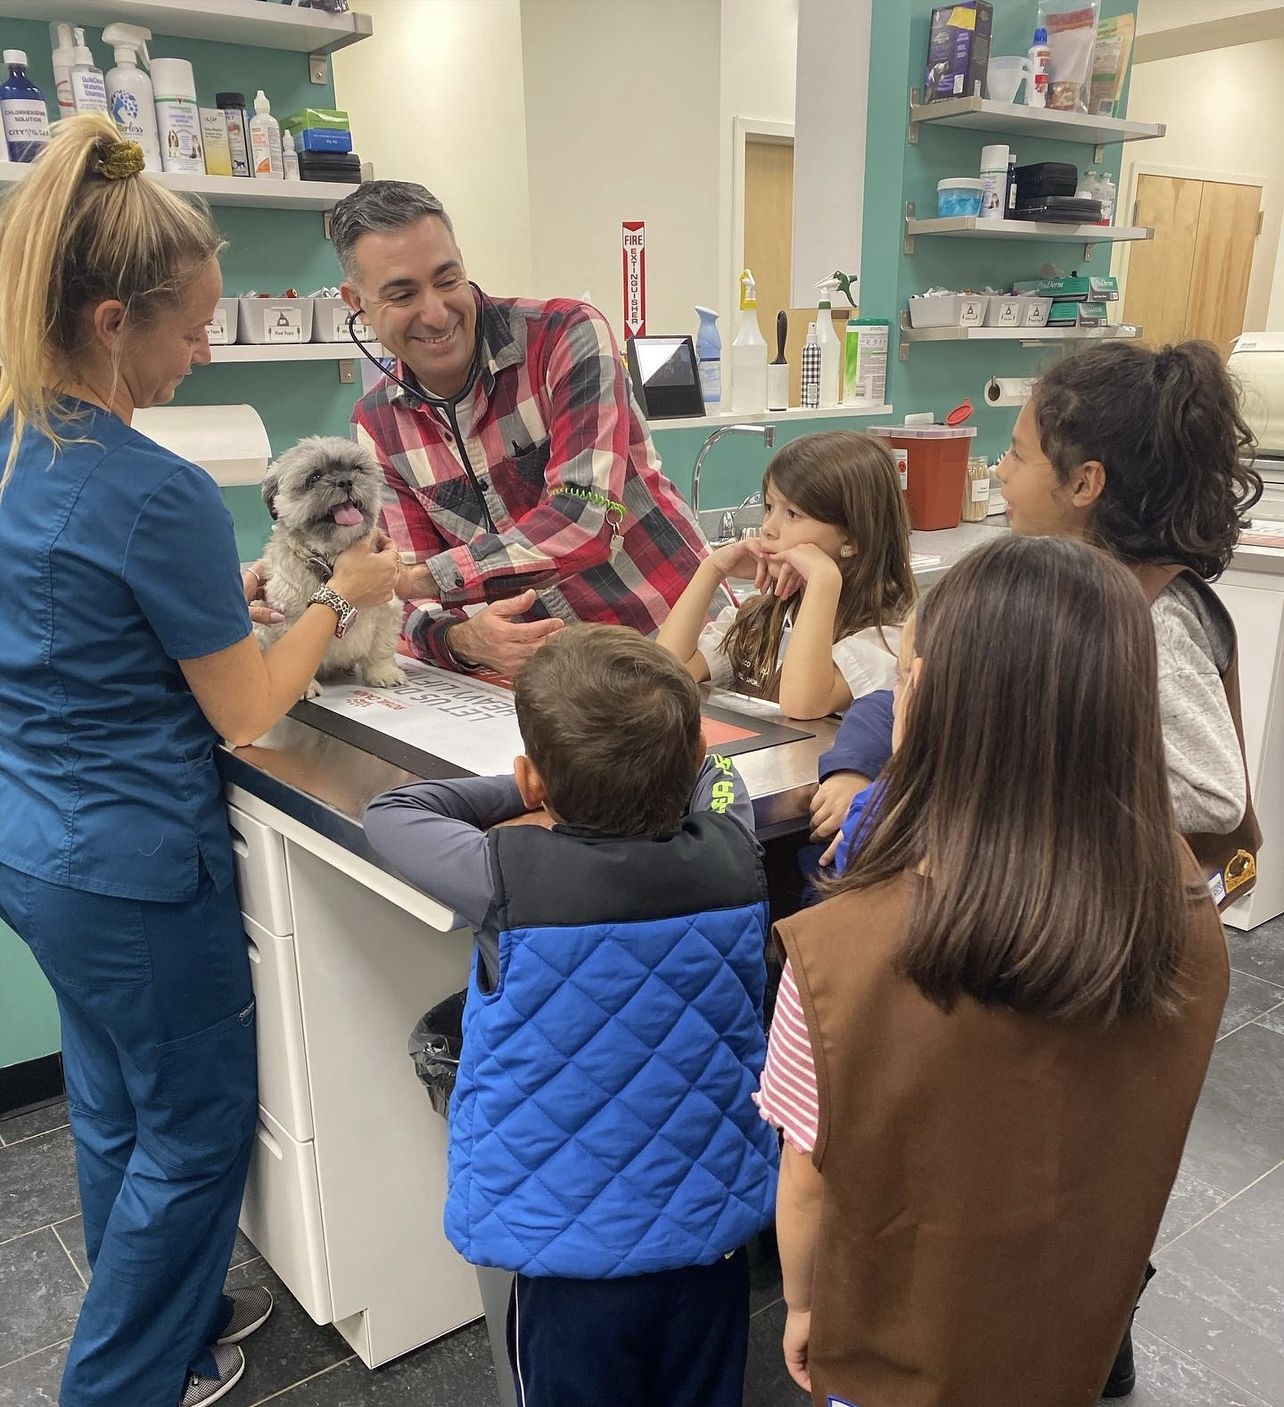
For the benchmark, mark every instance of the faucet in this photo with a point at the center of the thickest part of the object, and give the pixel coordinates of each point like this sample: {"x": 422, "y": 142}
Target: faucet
{"x": 767, "y": 432}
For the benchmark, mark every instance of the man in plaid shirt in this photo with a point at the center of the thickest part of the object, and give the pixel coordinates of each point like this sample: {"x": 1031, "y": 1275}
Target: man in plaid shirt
{"x": 520, "y": 474}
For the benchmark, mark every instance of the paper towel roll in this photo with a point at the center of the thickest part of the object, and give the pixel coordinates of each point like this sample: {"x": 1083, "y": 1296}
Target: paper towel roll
{"x": 229, "y": 442}
{"x": 1008, "y": 390}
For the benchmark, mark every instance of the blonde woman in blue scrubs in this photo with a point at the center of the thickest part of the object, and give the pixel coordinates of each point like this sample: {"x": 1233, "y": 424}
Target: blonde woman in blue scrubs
{"x": 125, "y": 653}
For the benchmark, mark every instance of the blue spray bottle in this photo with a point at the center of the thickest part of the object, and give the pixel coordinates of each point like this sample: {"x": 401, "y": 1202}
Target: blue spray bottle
{"x": 23, "y": 111}
{"x": 709, "y": 355}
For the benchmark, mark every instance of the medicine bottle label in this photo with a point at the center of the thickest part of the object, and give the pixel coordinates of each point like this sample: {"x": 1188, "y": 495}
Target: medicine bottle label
{"x": 901, "y": 456}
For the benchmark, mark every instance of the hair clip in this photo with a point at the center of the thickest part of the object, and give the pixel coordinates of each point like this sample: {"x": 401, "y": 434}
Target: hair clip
{"x": 122, "y": 159}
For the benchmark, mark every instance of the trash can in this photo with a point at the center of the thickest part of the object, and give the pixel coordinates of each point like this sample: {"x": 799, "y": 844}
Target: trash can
{"x": 934, "y": 470}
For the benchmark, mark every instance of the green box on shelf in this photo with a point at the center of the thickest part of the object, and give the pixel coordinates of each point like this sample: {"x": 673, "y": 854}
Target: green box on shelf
{"x": 1072, "y": 286}
{"x": 327, "y": 118}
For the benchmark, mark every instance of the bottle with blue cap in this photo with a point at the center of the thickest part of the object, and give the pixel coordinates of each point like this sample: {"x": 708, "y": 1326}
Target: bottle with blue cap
{"x": 708, "y": 349}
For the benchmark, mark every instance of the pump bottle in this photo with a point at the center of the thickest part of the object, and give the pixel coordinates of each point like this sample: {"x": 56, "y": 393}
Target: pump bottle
{"x": 748, "y": 353}
{"x": 131, "y": 99}
{"x": 265, "y": 140}
{"x": 64, "y": 60}
{"x": 831, "y": 349}
{"x": 87, "y": 86}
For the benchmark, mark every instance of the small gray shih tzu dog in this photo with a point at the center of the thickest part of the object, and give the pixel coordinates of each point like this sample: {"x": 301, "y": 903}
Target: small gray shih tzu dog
{"x": 323, "y": 496}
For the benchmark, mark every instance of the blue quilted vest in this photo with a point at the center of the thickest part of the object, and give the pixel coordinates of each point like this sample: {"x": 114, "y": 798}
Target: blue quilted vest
{"x": 602, "y": 1123}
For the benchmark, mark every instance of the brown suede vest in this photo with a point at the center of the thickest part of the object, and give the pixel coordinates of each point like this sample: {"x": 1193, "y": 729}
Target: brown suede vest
{"x": 1230, "y": 860}
{"x": 993, "y": 1182}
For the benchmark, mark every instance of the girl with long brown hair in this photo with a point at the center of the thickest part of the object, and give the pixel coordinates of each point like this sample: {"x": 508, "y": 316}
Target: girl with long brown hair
{"x": 1011, "y": 999}
{"x": 832, "y": 572}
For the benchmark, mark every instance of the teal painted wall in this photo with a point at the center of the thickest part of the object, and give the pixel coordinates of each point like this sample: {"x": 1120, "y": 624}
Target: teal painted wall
{"x": 267, "y": 250}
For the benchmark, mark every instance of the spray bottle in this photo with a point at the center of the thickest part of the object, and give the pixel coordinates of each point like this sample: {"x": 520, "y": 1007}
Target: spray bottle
{"x": 709, "y": 356}
{"x": 831, "y": 349}
{"x": 87, "y": 86}
{"x": 811, "y": 369}
{"x": 748, "y": 353}
{"x": 64, "y": 60}
{"x": 130, "y": 97}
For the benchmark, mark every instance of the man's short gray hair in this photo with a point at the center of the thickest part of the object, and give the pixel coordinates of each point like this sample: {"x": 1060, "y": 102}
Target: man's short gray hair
{"x": 380, "y": 205}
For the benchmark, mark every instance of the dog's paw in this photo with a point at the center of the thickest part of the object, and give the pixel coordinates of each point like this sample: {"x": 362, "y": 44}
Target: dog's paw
{"x": 383, "y": 675}
{"x": 313, "y": 690}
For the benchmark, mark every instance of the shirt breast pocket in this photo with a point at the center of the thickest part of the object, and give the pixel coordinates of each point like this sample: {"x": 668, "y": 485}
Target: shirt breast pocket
{"x": 520, "y": 479}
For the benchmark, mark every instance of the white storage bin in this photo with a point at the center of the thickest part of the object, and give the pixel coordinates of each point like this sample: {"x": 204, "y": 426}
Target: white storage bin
{"x": 284, "y": 1090}
{"x": 281, "y": 1214}
{"x": 1005, "y": 310}
{"x": 948, "y": 310}
{"x": 220, "y": 331}
{"x": 261, "y": 878}
{"x": 276, "y": 321}
{"x": 1034, "y": 312}
{"x": 330, "y": 322}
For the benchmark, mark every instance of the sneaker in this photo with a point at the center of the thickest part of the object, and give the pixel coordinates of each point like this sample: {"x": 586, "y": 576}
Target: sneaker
{"x": 230, "y": 1362}
{"x": 250, "y": 1309}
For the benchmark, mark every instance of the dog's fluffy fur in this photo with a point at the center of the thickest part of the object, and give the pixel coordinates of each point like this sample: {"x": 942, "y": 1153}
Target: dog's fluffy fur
{"x": 304, "y": 490}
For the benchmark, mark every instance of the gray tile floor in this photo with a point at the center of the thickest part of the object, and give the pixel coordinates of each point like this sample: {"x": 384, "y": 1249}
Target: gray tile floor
{"x": 1210, "y": 1330}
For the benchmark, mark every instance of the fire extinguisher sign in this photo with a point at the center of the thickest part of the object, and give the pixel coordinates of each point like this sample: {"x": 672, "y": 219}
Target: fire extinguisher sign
{"x": 633, "y": 242}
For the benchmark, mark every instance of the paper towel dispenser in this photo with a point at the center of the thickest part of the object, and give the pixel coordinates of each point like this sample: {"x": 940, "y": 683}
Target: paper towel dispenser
{"x": 229, "y": 442}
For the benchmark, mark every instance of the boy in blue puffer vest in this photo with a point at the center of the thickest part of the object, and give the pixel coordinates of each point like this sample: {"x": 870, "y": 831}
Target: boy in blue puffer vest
{"x": 604, "y": 1144}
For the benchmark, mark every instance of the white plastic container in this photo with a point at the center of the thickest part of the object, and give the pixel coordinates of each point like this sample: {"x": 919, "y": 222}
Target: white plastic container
{"x": 1004, "y": 310}
{"x": 958, "y": 196}
{"x": 748, "y": 353}
{"x": 178, "y": 119}
{"x": 289, "y": 158}
{"x": 87, "y": 86}
{"x": 265, "y": 141}
{"x": 275, "y": 321}
{"x": 994, "y": 183}
{"x": 1035, "y": 310}
{"x": 220, "y": 331}
{"x": 64, "y": 59}
{"x": 948, "y": 310}
{"x": 330, "y": 322}
{"x": 831, "y": 347}
{"x": 131, "y": 99}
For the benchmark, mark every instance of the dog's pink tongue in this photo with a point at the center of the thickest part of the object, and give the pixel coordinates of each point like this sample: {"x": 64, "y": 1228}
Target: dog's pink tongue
{"x": 347, "y": 516}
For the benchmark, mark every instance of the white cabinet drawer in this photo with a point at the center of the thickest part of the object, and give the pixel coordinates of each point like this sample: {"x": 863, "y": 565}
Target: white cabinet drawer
{"x": 282, "y": 1215}
{"x": 284, "y": 1090}
{"x": 261, "y": 877}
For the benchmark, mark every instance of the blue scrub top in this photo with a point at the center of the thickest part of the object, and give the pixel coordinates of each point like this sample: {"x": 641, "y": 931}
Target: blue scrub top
{"x": 117, "y": 558}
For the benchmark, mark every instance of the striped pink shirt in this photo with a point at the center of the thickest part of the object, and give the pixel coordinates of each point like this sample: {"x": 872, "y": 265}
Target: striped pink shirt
{"x": 787, "y": 1094}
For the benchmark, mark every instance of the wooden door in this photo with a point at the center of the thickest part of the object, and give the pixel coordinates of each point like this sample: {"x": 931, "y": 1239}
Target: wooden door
{"x": 1191, "y": 280}
{"x": 769, "y": 220}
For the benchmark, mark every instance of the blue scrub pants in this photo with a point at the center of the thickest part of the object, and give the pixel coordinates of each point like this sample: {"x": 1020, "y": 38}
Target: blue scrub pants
{"x": 159, "y": 1060}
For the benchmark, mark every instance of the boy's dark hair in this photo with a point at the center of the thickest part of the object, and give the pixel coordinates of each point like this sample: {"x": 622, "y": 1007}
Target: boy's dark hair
{"x": 1177, "y": 452}
{"x": 611, "y": 721}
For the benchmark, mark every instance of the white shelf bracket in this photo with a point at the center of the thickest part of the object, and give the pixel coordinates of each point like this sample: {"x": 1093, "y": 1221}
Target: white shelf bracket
{"x": 319, "y": 69}
{"x": 913, "y": 127}
{"x": 909, "y": 238}
{"x": 1087, "y": 253}
{"x": 1099, "y": 152}
{"x": 325, "y": 224}
{"x": 348, "y": 372}
{"x": 902, "y": 353}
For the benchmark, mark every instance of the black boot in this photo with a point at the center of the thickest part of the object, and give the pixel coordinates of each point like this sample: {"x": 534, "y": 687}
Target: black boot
{"x": 1123, "y": 1373}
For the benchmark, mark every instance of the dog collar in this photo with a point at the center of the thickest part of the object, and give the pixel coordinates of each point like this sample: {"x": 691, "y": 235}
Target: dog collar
{"x": 319, "y": 564}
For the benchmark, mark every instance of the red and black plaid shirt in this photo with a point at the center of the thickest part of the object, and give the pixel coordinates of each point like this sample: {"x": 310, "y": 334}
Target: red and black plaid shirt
{"x": 556, "y": 439}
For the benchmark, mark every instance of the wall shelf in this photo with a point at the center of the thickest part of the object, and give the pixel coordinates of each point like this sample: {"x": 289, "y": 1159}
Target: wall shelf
{"x": 248, "y": 22}
{"x": 231, "y": 190}
{"x": 1017, "y": 231}
{"x": 982, "y": 115}
{"x": 299, "y": 352}
{"x": 859, "y": 410}
{"x": 1025, "y": 336}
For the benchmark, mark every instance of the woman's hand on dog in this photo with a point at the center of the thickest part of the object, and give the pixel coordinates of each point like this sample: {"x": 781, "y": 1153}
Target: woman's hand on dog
{"x": 365, "y": 573}
{"x": 253, "y": 579}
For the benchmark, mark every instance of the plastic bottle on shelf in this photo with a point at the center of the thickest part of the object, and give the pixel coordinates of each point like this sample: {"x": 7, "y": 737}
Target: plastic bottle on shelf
{"x": 289, "y": 160}
{"x": 178, "y": 119}
{"x": 1010, "y": 204}
{"x": 88, "y": 88}
{"x": 748, "y": 353}
{"x": 709, "y": 357}
{"x": 232, "y": 106}
{"x": 994, "y": 182}
{"x": 1040, "y": 56}
{"x": 265, "y": 140}
{"x": 831, "y": 347}
{"x": 131, "y": 99}
{"x": 22, "y": 110}
{"x": 1108, "y": 196}
{"x": 811, "y": 370}
{"x": 64, "y": 60}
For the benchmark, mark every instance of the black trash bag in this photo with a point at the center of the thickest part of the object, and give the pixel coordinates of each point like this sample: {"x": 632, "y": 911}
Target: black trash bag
{"x": 435, "y": 1046}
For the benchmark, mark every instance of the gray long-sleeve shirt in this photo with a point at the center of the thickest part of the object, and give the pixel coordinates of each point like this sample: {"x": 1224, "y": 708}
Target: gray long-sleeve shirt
{"x": 434, "y": 833}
